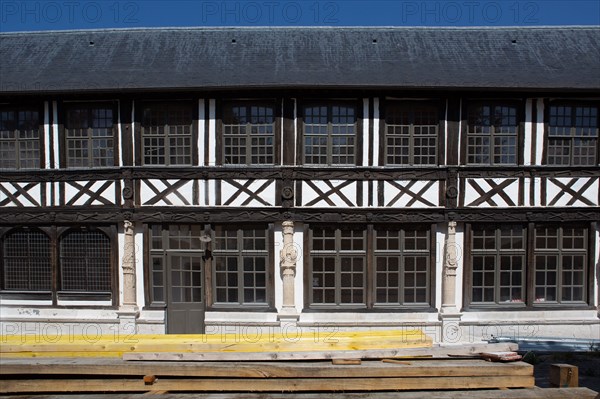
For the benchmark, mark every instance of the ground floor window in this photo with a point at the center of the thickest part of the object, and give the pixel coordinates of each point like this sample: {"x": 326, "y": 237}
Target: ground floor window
{"x": 229, "y": 265}
{"x": 58, "y": 262}
{"x": 527, "y": 265}
{"x": 370, "y": 266}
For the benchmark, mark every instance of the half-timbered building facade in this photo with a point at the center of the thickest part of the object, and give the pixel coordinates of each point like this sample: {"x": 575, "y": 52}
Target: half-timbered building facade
{"x": 266, "y": 179}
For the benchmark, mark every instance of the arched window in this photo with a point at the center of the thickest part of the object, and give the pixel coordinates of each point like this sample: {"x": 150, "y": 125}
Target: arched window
{"x": 26, "y": 261}
{"x": 85, "y": 262}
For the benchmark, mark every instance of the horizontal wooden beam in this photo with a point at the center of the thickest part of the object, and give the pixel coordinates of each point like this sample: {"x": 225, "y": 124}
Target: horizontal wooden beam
{"x": 547, "y": 393}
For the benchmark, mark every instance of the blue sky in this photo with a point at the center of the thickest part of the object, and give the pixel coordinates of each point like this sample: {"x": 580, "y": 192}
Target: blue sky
{"x": 16, "y": 15}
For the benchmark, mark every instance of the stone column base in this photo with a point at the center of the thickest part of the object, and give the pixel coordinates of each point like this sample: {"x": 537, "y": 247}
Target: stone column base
{"x": 128, "y": 321}
{"x": 451, "y": 331}
{"x": 288, "y": 316}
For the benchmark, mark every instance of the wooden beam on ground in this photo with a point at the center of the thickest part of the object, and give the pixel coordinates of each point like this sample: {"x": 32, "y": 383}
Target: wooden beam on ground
{"x": 314, "y": 369}
{"x": 439, "y": 351}
{"x": 546, "y": 393}
{"x": 264, "y": 385}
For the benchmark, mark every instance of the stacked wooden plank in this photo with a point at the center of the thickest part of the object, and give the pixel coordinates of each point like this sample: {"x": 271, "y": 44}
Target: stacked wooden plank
{"x": 116, "y": 375}
{"x": 268, "y": 346}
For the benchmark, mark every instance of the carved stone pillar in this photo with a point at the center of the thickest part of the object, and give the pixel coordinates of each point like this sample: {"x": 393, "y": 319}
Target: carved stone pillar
{"x": 288, "y": 256}
{"x": 449, "y": 314}
{"x": 128, "y": 312}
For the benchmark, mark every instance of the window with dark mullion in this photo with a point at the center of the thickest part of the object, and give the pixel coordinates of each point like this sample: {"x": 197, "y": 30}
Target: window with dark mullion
{"x": 560, "y": 264}
{"x": 248, "y": 134}
{"x": 402, "y": 258}
{"x": 498, "y": 264}
{"x": 338, "y": 266}
{"x": 492, "y": 134}
{"x": 167, "y": 134}
{"x": 19, "y": 138}
{"x": 329, "y": 134}
{"x": 572, "y": 135}
{"x": 411, "y": 132}
{"x": 240, "y": 265}
{"x": 89, "y": 131}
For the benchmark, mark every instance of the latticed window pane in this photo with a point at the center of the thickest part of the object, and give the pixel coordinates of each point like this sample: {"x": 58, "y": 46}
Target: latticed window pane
{"x": 329, "y": 134}
{"x": 241, "y": 263}
{"x": 248, "y": 134}
{"x": 89, "y": 131}
{"x": 492, "y": 134}
{"x": 402, "y": 266}
{"x": 498, "y": 264}
{"x": 85, "y": 262}
{"x": 167, "y": 134}
{"x": 26, "y": 262}
{"x": 560, "y": 264}
{"x": 338, "y": 266}
{"x": 411, "y": 134}
{"x": 572, "y": 135}
{"x": 19, "y": 139}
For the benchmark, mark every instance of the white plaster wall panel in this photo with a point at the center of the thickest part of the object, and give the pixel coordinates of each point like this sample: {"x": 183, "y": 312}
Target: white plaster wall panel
{"x": 329, "y": 193}
{"x": 119, "y": 137}
{"x": 527, "y": 184}
{"x": 101, "y": 188}
{"x": 234, "y": 195}
{"x": 411, "y": 193}
{"x": 201, "y": 131}
{"x": 508, "y": 198}
{"x": 376, "y": 131}
{"x": 212, "y": 133}
{"x": 55, "y": 138}
{"x": 47, "y": 136}
{"x": 21, "y": 194}
{"x": 181, "y": 196}
{"x": 365, "y": 132}
{"x": 528, "y": 132}
{"x": 586, "y": 187}
{"x": 539, "y": 148}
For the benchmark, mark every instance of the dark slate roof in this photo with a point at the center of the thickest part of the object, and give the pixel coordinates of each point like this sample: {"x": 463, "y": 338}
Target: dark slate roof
{"x": 539, "y": 58}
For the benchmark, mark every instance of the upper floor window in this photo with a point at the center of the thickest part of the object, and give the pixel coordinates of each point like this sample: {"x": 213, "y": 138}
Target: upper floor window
{"x": 19, "y": 138}
{"x": 492, "y": 134}
{"x": 411, "y": 134}
{"x": 90, "y": 136}
{"x": 248, "y": 133}
{"x": 330, "y": 134}
{"x": 167, "y": 134}
{"x": 572, "y": 135}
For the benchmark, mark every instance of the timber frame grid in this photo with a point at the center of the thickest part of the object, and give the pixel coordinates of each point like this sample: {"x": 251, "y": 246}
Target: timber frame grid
{"x": 530, "y": 270}
{"x": 54, "y": 233}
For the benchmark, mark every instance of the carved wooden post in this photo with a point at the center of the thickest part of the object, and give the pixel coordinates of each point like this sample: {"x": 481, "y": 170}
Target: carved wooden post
{"x": 449, "y": 314}
{"x": 128, "y": 313}
{"x": 129, "y": 293}
{"x": 289, "y": 256}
